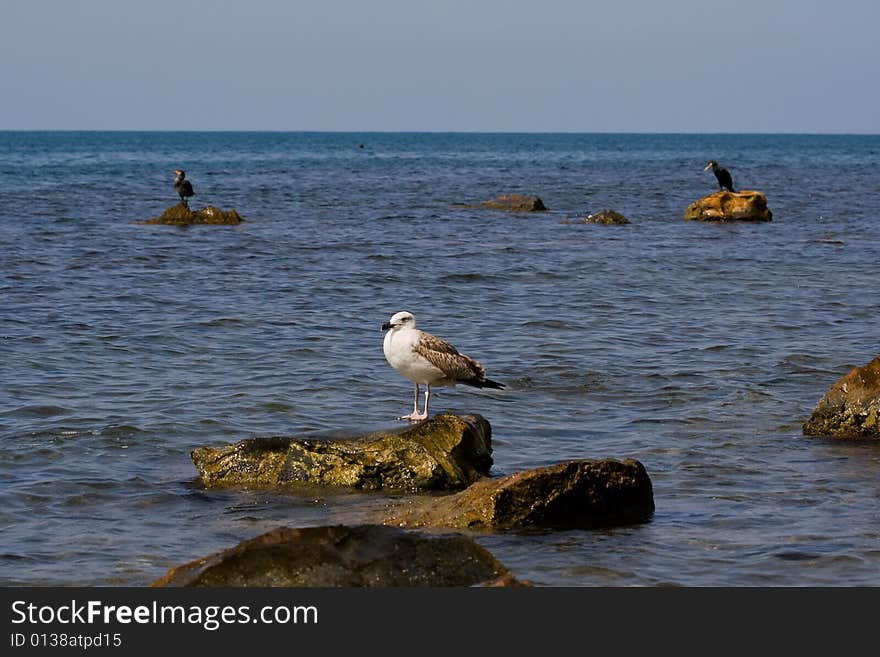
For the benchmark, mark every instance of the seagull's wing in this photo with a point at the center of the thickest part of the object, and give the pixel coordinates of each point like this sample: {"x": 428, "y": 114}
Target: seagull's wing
{"x": 446, "y": 358}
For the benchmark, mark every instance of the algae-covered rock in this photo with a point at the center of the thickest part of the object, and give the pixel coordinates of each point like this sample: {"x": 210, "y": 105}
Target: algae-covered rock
{"x": 606, "y": 217}
{"x": 337, "y": 556}
{"x": 851, "y": 407}
{"x": 446, "y": 452}
{"x": 573, "y": 493}
{"x": 181, "y": 215}
{"x": 514, "y": 203}
{"x": 744, "y": 205}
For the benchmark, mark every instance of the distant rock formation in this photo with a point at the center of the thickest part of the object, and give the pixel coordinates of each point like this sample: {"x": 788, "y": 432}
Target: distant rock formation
{"x": 181, "y": 215}
{"x": 744, "y": 205}
{"x": 445, "y": 452}
{"x": 851, "y": 407}
{"x": 579, "y": 493}
{"x": 607, "y": 217}
{"x": 514, "y": 203}
{"x": 342, "y": 556}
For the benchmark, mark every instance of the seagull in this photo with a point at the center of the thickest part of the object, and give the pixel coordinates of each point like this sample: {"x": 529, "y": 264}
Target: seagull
{"x": 424, "y": 358}
{"x": 183, "y": 186}
{"x": 722, "y": 174}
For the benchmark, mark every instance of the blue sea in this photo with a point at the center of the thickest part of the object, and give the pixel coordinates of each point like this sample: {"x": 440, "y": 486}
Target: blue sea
{"x": 698, "y": 349}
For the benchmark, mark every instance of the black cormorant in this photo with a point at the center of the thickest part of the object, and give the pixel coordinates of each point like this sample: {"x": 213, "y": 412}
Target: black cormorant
{"x": 183, "y": 186}
{"x": 723, "y": 175}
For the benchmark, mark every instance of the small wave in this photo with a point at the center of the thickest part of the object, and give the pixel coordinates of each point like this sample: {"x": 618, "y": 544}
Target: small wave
{"x": 120, "y": 431}
{"x": 37, "y": 410}
{"x": 467, "y": 278}
{"x": 795, "y": 555}
{"x": 277, "y": 406}
{"x": 547, "y": 323}
{"x": 222, "y": 321}
{"x": 16, "y": 557}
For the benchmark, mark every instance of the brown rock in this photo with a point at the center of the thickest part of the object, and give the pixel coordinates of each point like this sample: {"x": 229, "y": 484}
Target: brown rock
{"x": 445, "y": 452}
{"x": 744, "y": 205}
{"x": 573, "y": 493}
{"x": 515, "y": 203}
{"x": 851, "y": 408}
{"x": 336, "y": 556}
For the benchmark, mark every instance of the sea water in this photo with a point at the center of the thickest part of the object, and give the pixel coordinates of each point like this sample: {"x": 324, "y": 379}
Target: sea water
{"x": 698, "y": 349}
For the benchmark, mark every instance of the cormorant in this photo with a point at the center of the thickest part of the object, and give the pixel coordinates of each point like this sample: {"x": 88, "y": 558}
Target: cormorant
{"x": 183, "y": 186}
{"x": 723, "y": 175}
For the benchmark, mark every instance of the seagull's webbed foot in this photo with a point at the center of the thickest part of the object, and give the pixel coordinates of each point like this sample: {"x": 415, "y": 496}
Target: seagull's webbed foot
{"x": 414, "y": 417}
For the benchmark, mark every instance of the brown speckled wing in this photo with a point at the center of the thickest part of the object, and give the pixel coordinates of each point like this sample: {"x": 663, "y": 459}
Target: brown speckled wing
{"x": 446, "y": 358}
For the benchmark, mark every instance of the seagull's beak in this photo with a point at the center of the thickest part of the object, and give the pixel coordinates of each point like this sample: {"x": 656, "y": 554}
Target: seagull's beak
{"x": 387, "y": 325}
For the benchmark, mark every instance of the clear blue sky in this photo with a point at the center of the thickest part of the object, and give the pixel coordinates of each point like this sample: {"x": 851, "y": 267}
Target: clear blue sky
{"x": 438, "y": 65}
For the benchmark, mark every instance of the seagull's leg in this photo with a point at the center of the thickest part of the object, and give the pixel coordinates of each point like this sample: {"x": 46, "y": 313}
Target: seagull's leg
{"x": 415, "y": 413}
{"x": 415, "y": 416}
{"x": 427, "y": 397}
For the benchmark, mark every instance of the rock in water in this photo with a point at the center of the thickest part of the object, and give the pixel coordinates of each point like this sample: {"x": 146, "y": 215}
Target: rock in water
{"x": 744, "y": 205}
{"x": 445, "y": 452}
{"x": 335, "y": 556}
{"x": 607, "y": 217}
{"x": 181, "y": 215}
{"x": 580, "y": 493}
{"x": 851, "y": 408}
{"x": 515, "y": 203}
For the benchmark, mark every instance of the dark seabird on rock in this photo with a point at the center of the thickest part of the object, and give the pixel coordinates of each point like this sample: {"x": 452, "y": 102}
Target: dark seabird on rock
{"x": 722, "y": 174}
{"x": 183, "y": 186}
{"x": 423, "y": 358}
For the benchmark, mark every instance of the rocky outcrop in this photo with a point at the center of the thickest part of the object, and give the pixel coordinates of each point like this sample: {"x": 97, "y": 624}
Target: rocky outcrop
{"x": 336, "y": 556}
{"x": 181, "y": 215}
{"x": 744, "y": 205}
{"x": 606, "y": 217}
{"x": 446, "y": 452}
{"x": 851, "y": 407}
{"x": 580, "y": 493}
{"x": 514, "y": 203}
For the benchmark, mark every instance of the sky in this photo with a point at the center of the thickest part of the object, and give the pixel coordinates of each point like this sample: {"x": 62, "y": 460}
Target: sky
{"x": 680, "y": 66}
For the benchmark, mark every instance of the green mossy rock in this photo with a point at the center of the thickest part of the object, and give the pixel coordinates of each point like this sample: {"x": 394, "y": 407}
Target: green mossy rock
{"x": 446, "y": 452}
{"x": 744, "y": 205}
{"x": 181, "y": 215}
{"x": 582, "y": 493}
{"x": 851, "y": 407}
{"x": 342, "y": 556}
{"x": 606, "y": 217}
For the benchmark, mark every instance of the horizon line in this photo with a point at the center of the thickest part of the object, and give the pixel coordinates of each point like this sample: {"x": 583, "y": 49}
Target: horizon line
{"x": 448, "y": 132}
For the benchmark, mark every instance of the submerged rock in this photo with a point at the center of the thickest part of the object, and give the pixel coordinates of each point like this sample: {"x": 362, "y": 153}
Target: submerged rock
{"x": 574, "y": 493}
{"x": 851, "y": 407}
{"x": 514, "y": 203}
{"x": 744, "y": 205}
{"x": 445, "y": 452}
{"x": 607, "y": 217}
{"x": 181, "y": 215}
{"x": 335, "y": 556}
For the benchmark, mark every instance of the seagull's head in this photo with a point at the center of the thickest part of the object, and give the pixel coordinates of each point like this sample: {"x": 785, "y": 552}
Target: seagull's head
{"x": 403, "y": 319}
